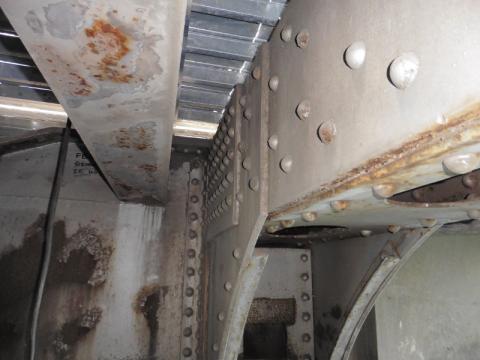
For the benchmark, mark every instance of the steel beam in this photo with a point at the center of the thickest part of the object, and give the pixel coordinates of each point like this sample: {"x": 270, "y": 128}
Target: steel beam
{"x": 114, "y": 67}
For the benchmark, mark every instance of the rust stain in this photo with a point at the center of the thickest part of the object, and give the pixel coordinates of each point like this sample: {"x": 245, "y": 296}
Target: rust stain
{"x": 137, "y": 137}
{"x": 148, "y": 167}
{"x": 461, "y": 129}
{"x": 112, "y": 45}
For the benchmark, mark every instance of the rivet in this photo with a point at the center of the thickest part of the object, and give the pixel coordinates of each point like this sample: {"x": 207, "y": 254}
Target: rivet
{"x": 273, "y": 83}
{"x": 243, "y": 100}
{"x": 306, "y": 337}
{"x": 287, "y": 223}
{"x": 339, "y": 205}
{"x": 229, "y": 177}
{"x": 366, "y": 233}
{"x": 302, "y": 39}
{"x": 247, "y": 114}
{"x": 355, "y": 55}
{"x": 304, "y": 257}
{"x": 221, "y": 316}
{"x": 286, "y": 33}
{"x": 383, "y": 191}
{"x": 305, "y": 277}
{"x": 306, "y": 316}
{"x": 189, "y": 292}
{"x": 460, "y": 164}
{"x": 303, "y": 109}
{"x": 228, "y": 286}
{"x": 253, "y": 184}
{"x": 236, "y": 253}
{"x": 190, "y": 271}
{"x": 309, "y": 216}
{"x": 470, "y": 181}
{"x": 187, "y": 331}
{"x": 229, "y": 200}
{"x": 194, "y": 199}
{"x": 195, "y": 181}
{"x": 225, "y": 162}
{"x": 188, "y": 312}
{"x": 428, "y": 222}
{"x": 273, "y": 142}
{"x": 242, "y": 147}
{"x": 246, "y": 163}
{"x": 191, "y": 253}
{"x": 227, "y": 119}
{"x": 217, "y": 141}
{"x": 239, "y": 197}
{"x": 327, "y": 131}
{"x": 393, "y": 228}
{"x": 403, "y": 70}
{"x": 286, "y": 164}
{"x": 223, "y": 127}
{"x": 226, "y": 140}
{"x": 231, "y": 132}
{"x": 187, "y": 352}
{"x": 257, "y": 72}
{"x": 305, "y": 296}
{"x": 271, "y": 229}
{"x": 474, "y": 214}
{"x": 192, "y": 233}
{"x": 215, "y": 347}
{"x": 231, "y": 110}
{"x": 231, "y": 154}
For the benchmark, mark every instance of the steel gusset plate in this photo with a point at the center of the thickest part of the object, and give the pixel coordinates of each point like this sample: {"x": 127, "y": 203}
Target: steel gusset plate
{"x": 348, "y": 276}
{"x": 372, "y": 99}
{"x": 230, "y": 252}
{"x": 114, "y": 67}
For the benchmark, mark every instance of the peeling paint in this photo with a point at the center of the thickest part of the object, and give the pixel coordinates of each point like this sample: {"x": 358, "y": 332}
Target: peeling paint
{"x": 65, "y": 18}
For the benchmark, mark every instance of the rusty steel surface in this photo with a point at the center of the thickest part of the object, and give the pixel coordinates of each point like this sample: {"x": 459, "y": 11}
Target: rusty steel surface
{"x": 116, "y": 281}
{"x": 230, "y": 252}
{"x": 114, "y": 66}
{"x": 346, "y": 128}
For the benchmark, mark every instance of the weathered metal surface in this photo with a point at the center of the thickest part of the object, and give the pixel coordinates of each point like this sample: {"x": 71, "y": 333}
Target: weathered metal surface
{"x": 115, "y": 285}
{"x": 113, "y": 65}
{"x": 230, "y": 252}
{"x": 430, "y": 308}
{"x": 360, "y": 132}
{"x": 288, "y": 275}
{"x": 348, "y": 277}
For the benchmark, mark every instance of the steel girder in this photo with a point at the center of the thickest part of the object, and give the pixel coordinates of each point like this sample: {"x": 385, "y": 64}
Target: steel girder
{"x": 114, "y": 66}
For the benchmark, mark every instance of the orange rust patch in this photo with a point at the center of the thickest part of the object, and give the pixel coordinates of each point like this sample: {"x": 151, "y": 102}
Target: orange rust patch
{"x": 80, "y": 86}
{"x": 134, "y": 137}
{"x": 148, "y": 167}
{"x": 462, "y": 129}
{"x": 111, "y": 44}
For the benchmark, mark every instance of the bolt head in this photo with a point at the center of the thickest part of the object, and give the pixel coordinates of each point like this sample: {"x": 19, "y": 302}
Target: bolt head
{"x": 327, "y": 131}
{"x": 309, "y": 216}
{"x": 403, "y": 70}
{"x": 273, "y": 142}
{"x": 383, "y": 191}
{"x": 254, "y": 184}
{"x": 303, "y": 109}
{"x": 461, "y": 164}
{"x": 302, "y": 39}
{"x": 355, "y": 55}
{"x": 339, "y": 205}
{"x": 286, "y": 33}
{"x": 247, "y": 114}
{"x": 273, "y": 83}
{"x": 257, "y": 72}
{"x": 287, "y": 223}
{"x": 236, "y": 253}
{"x": 286, "y": 164}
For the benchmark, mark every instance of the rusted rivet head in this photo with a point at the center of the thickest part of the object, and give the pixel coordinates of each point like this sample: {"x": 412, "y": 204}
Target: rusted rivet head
{"x": 366, "y": 233}
{"x": 461, "y": 164}
{"x": 286, "y": 164}
{"x": 303, "y": 110}
{"x": 273, "y": 83}
{"x": 253, "y": 183}
{"x": 247, "y": 163}
{"x": 304, "y": 257}
{"x": 227, "y": 286}
{"x": 273, "y": 142}
{"x": 383, "y": 191}
{"x": 305, "y": 276}
{"x": 306, "y": 337}
{"x": 302, "y": 39}
{"x": 327, "y": 131}
{"x": 187, "y": 352}
{"x": 403, "y": 70}
{"x": 257, "y": 72}
{"x": 215, "y": 347}
{"x": 339, "y": 205}
{"x": 287, "y": 223}
{"x": 355, "y": 55}
{"x": 286, "y": 33}
{"x": 189, "y": 292}
{"x": 243, "y": 100}
{"x": 271, "y": 229}
{"x": 393, "y": 228}
{"x": 247, "y": 114}
{"x": 305, "y": 296}
{"x": 236, "y": 253}
{"x": 231, "y": 110}
{"x": 306, "y": 316}
{"x": 428, "y": 222}
{"x": 309, "y": 216}
{"x": 229, "y": 177}
{"x": 187, "y": 331}
{"x": 221, "y": 316}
